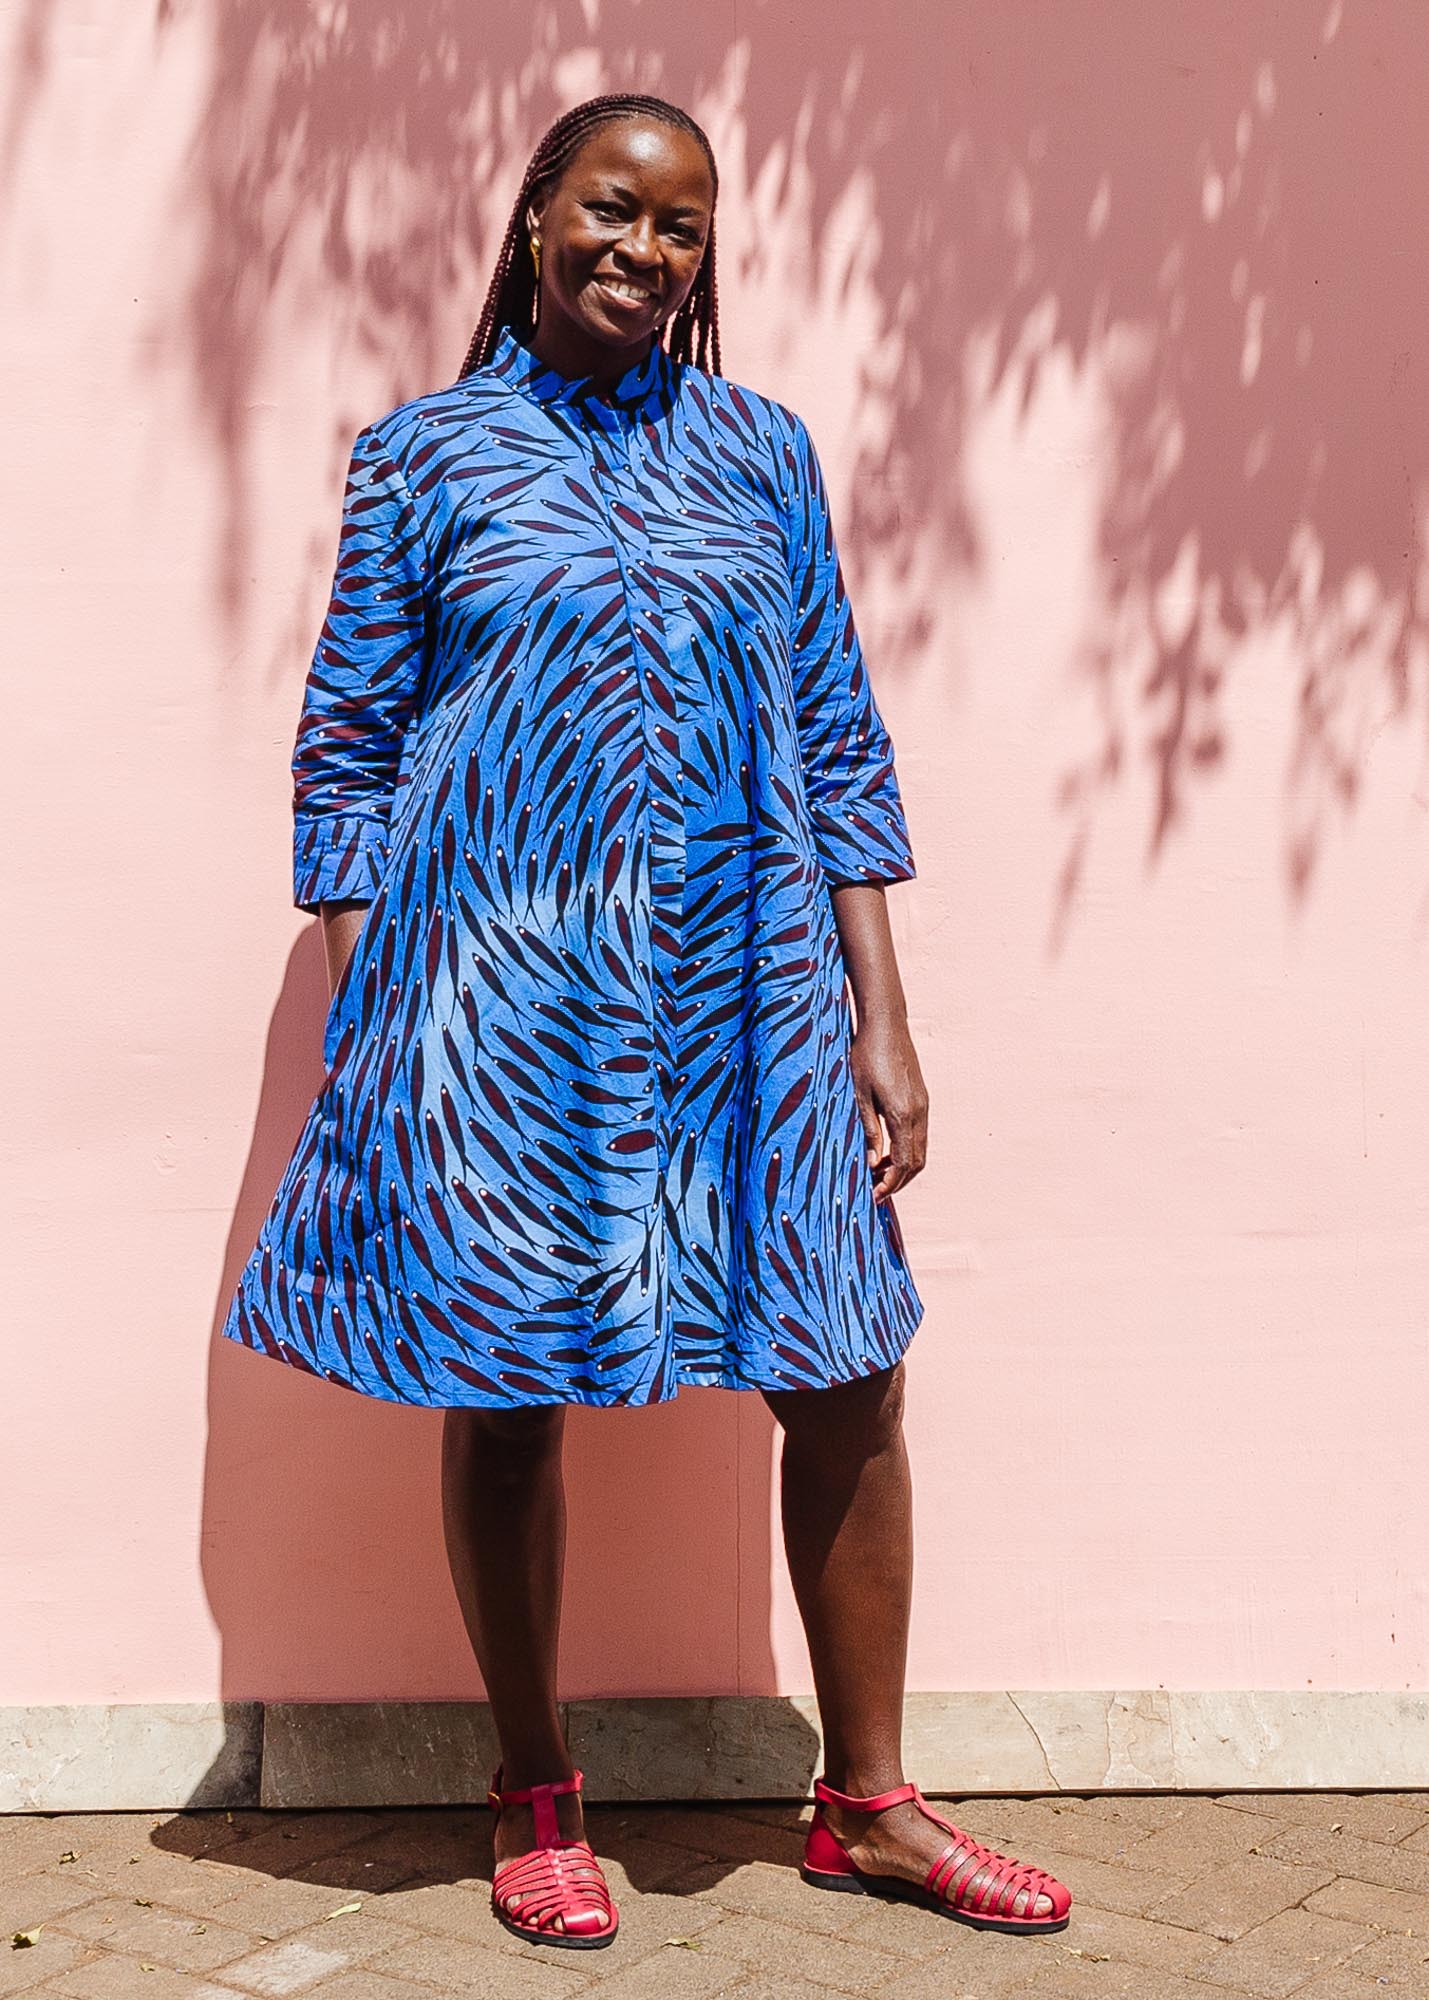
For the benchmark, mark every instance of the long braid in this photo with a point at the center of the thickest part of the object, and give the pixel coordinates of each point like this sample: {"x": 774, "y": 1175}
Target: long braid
{"x": 693, "y": 332}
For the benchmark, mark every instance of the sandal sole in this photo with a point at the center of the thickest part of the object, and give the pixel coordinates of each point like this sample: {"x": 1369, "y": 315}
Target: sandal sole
{"x": 892, "y": 1889}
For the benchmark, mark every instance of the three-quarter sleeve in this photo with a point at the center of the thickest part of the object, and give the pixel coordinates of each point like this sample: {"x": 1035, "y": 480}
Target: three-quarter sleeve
{"x": 845, "y": 750}
{"x": 361, "y": 688}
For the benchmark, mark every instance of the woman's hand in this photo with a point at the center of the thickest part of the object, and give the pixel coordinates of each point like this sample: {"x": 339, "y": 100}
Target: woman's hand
{"x": 892, "y": 1099}
{"x": 892, "y": 1102}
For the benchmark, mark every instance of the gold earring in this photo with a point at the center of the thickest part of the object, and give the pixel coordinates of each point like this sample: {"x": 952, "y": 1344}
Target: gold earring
{"x": 536, "y": 256}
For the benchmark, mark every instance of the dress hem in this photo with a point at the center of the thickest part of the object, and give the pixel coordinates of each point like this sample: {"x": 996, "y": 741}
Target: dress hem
{"x": 723, "y": 1379}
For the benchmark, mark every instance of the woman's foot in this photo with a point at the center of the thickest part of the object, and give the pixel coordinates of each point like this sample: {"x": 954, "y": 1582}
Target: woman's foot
{"x": 903, "y": 1842}
{"x": 547, "y": 1885}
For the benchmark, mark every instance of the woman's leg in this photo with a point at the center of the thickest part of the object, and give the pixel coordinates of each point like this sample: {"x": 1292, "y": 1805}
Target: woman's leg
{"x": 504, "y": 1509}
{"x": 847, "y": 1504}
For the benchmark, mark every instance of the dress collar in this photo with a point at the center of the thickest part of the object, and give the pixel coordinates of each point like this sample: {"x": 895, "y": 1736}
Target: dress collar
{"x": 643, "y": 388}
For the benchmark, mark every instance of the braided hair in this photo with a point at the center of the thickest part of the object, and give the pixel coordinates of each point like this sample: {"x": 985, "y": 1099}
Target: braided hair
{"x": 511, "y": 299}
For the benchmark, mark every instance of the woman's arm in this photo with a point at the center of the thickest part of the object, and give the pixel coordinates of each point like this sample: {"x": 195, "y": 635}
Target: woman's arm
{"x": 341, "y": 922}
{"x": 362, "y": 688}
{"x": 888, "y": 1082}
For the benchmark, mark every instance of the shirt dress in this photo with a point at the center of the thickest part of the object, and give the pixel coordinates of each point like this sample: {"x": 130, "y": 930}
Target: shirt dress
{"x": 589, "y": 729}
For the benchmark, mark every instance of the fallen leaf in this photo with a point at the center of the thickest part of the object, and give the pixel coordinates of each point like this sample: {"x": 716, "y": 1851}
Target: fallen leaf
{"x": 1337, "y": 1826}
{"x": 68, "y": 1855}
{"x": 686, "y": 1944}
{"x": 132, "y": 1859}
{"x": 229, "y": 1818}
{"x": 147, "y": 1968}
{"x": 145, "y": 1902}
{"x": 199, "y": 1929}
{"x": 346, "y": 1910}
{"x": 20, "y": 1939}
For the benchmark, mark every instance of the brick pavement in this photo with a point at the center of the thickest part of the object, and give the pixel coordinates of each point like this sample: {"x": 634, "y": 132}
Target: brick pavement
{"x": 1177, "y": 1898}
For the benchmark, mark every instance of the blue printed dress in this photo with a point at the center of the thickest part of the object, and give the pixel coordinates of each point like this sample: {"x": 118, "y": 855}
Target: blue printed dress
{"x": 589, "y": 729}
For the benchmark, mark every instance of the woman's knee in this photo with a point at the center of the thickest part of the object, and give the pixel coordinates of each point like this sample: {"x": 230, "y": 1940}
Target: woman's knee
{"x": 864, "y": 1416}
{"x": 504, "y": 1444}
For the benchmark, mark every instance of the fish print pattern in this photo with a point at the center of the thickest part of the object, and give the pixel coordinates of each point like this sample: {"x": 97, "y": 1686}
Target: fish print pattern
{"x": 589, "y": 730}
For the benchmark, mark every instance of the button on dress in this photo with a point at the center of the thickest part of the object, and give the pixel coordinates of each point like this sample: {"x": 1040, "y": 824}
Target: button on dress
{"x": 589, "y": 729}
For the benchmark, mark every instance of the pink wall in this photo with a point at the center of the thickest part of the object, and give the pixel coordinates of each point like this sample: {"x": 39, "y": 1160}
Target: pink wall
{"x": 1110, "y": 327}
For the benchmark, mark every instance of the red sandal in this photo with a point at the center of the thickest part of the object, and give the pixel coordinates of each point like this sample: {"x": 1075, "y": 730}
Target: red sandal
{"x": 829, "y": 1865}
{"x": 558, "y": 1879}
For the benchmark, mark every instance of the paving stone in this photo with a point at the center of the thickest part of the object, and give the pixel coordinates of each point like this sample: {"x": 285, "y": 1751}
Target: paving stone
{"x": 1151, "y": 1810}
{"x": 1109, "y": 1885}
{"x": 1202, "y": 1837}
{"x": 1389, "y": 1816}
{"x": 980, "y": 1966}
{"x": 1347, "y": 1984}
{"x": 1278, "y": 1956}
{"x": 724, "y": 1836}
{"x": 273, "y": 1907}
{"x": 908, "y": 1929}
{"x": 303, "y": 1838}
{"x": 1234, "y": 1898}
{"x": 1085, "y": 1979}
{"x": 456, "y": 1965}
{"x": 37, "y": 1899}
{"x": 444, "y": 1909}
{"x": 52, "y": 1953}
{"x": 668, "y": 1970}
{"x": 32, "y": 1840}
{"x": 757, "y": 1889}
{"x": 646, "y": 1922}
{"x": 787, "y": 1816}
{"x": 170, "y": 1879}
{"x": 367, "y": 1986}
{"x": 291, "y": 1967}
{"x": 441, "y": 1853}
{"x": 1400, "y": 1961}
{"x": 644, "y": 1865}
{"x": 1345, "y": 1854}
{"x": 1365, "y": 1903}
{"x": 1065, "y": 1827}
{"x": 186, "y": 1942}
{"x": 196, "y": 1833}
{"x": 1158, "y": 1947}
{"x": 771, "y": 1947}
{"x": 110, "y": 1976}
{"x": 783, "y": 1989}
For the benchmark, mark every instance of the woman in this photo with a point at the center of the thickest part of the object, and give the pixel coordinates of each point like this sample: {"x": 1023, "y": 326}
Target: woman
{"x": 598, "y": 810}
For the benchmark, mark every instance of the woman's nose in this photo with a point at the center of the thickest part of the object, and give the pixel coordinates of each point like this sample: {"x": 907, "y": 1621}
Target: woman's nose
{"x": 640, "y": 242}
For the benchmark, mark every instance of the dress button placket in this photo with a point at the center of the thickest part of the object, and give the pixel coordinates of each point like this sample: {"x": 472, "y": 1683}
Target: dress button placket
{"x": 618, "y": 474}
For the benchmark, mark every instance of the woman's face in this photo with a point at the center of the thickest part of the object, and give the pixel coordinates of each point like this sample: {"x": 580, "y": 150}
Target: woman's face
{"x": 622, "y": 234}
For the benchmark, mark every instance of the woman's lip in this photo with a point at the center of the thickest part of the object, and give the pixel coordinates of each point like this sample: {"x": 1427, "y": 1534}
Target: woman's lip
{"x": 623, "y": 298}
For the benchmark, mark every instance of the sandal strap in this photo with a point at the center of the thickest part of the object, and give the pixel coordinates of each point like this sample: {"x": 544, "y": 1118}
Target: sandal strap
{"x": 542, "y": 1801}
{"x": 551, "y": 1882}
{"x": 878, "y": 1802}
{"x": 1002, "y": 1878}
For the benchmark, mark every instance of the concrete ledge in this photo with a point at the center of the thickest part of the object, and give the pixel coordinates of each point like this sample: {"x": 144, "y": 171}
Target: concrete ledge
{"x": 310, "y": 1754}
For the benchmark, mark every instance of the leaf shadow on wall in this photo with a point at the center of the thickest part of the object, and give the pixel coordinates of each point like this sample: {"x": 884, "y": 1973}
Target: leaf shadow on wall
{"x": 1216, "y": 216}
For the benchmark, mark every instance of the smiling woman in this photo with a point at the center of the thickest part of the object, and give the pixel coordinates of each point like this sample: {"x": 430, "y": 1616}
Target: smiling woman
{"x": 599, "y": 810}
